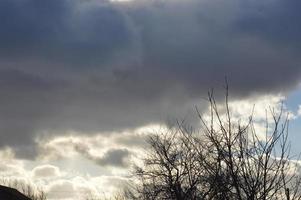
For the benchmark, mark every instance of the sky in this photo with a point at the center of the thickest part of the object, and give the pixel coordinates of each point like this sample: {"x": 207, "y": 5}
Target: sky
{"x": 84, "y": 82}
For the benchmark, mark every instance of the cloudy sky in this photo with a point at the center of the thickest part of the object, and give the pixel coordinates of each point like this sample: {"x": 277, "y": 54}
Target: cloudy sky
{"x": 83, "y": 82}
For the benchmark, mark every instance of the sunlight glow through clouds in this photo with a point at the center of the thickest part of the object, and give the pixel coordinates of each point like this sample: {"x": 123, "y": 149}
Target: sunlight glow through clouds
{"x": 259, "y": 107}
{"x": 81, "y": 164}
{"x": 84, "y": 83}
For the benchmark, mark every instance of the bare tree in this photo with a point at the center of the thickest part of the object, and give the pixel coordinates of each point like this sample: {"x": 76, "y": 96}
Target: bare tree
{"x": 27, "y": 189}
{"x": 225, "y": 160}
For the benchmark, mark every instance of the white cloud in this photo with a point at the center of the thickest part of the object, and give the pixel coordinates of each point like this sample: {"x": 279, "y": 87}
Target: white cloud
{"x": 79, "y": 187}
{"x": 61, "y": 189}
{"x": 46, "y": 171}
{"x": 260, "y": 108}
{"x": 96, "y": 146}
{"x": 10, "y": 166}
{"x": 299, "y": 110}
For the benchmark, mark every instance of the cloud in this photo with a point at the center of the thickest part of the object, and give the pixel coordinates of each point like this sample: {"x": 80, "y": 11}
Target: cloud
{"x": 10, "y": 166}
{"x": 275, "y": 22}
{"x": 112, "y": 157}
{"x": 62, "y": 189}
{"x": 299, "y": 110}
{"x": 262, "y": 109}
{"x": 83, "y": 188}
{"x": 115, "y": 157}
{"x": 104, "y": 151}
{"x": 59, "y": 183}
{"x": 98, "y": 66}
{"x": 71, "y": 32}
{"x": 45, "y": 171}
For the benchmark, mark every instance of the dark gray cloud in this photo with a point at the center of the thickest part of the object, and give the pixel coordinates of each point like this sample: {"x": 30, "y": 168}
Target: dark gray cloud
{"x": 69, "y": 32}
{"x": 95, "y": 66}
{"x": 277, "y": 22}
{"x": 112, "y": 157}
{"x": 115, "y": 157}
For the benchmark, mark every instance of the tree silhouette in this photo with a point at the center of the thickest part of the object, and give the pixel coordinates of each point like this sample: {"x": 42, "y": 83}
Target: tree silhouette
{"x": 227, "y": 159}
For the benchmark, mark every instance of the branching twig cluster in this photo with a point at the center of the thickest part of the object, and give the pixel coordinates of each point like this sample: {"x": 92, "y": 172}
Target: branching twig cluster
{"x": 227, "y": 160}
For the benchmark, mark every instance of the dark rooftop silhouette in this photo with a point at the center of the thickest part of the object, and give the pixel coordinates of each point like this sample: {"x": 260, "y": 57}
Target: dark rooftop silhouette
{"x": 7, "y": 193}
